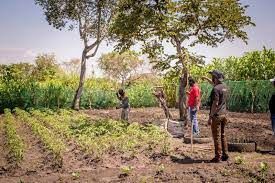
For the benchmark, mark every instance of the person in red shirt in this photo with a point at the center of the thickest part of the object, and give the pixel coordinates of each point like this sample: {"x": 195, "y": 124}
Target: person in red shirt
{"x": 193, "y": 103}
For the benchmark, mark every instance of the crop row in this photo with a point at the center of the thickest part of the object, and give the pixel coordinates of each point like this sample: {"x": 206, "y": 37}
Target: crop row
{"x": 50, "y": 140}
{"x": 59, "y": 127}
{"x": 15, "y": 143}
{"x": 63, "y": 124}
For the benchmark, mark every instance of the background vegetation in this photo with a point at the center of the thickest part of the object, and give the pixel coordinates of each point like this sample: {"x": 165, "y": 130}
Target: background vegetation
{"x": 45, "y": 84}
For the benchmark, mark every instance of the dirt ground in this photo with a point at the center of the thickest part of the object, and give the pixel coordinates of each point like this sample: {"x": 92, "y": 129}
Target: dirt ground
{"x": 179, "y": 166}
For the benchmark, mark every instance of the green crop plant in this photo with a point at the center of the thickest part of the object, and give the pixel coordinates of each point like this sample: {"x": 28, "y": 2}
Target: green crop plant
{"x": 61, "y": 128}
{"x": 14, "y": 141}
{"x": 50, "y": 140}
{"x": 104, "y": 136}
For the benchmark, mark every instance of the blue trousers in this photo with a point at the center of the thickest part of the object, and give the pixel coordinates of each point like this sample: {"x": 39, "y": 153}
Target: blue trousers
{"x": 194, "y": 120}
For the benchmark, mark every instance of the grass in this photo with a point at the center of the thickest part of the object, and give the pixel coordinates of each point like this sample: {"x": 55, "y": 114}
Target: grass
{"x": 15, "y": 143}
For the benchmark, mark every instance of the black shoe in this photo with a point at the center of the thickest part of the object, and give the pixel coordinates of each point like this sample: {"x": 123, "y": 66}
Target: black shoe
{"x": 215, "y": 160}
{"x": 225, "y": 157}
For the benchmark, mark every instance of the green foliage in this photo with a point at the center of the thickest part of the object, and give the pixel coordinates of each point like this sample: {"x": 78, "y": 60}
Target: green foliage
{"x": 50, "y": 140}
{"x": 140, "y": 95}
{"x": 180, "y": 23}
{"x": 46, "y": 67}
{"x": 263, "y": 169}
{"x": 120, "y": 67}
{"x": 103, "y": 136}
{"x": 170, "y": 85}
{"x": 239, "y": 160}
{"x": 14, "y": 141}
{"x": 51, "y": 119}
{"x": 106, "y": 136}
{"x": 244, "y": 96}
{"x": 58, "y": 93}
{"x": 255, "y": 65}
{"x": 126, "y": 170}
{"x": 263, "y": 166}
{"x": 160, "y": 169}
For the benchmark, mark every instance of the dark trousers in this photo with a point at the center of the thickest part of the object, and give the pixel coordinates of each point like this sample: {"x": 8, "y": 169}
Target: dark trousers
{"x": 218, "y": 133}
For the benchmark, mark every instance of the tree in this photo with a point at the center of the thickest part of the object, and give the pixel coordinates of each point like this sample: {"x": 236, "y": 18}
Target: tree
{"x": 90, "y": 17}
{"x": 46, "y": 67}
{"x": 121, "y": 66}
{"x": 179, "y": 24}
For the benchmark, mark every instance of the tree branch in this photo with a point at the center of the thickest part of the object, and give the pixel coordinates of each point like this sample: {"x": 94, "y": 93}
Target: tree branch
{"x": 95, "y": 51}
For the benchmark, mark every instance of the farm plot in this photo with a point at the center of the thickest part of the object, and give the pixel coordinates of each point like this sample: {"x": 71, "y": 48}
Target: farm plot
{"x": 69, "y": 146}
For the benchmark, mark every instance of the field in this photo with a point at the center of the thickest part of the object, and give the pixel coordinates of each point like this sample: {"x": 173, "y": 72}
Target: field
{"x": 67, "y": 146}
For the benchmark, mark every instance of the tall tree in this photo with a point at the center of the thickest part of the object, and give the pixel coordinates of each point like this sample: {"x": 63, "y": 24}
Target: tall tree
{"x": 122, "y": 67}
{"x": 92, "y": 19}
{"x": 179, "y": 24}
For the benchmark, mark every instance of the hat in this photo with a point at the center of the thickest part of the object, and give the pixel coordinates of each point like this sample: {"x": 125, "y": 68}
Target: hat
{"x": 272, "y": 80}
{"x": 219, "y": 75}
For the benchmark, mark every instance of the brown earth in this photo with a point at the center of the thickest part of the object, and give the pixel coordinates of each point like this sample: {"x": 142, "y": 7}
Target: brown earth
{"x": 179, "y": 166}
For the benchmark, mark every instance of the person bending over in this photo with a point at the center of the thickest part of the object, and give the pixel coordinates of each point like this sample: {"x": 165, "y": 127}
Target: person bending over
{"x": 124, "y": 104}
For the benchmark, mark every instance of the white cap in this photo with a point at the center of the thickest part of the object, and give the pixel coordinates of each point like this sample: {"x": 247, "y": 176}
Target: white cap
{"x": 272, "y": 80}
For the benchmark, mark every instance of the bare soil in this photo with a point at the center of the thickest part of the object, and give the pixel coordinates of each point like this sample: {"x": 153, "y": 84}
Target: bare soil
{"x": 181, "y": 165}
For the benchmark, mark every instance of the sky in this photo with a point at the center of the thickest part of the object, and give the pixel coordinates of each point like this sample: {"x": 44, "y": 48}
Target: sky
{"x": 25, "y": 33}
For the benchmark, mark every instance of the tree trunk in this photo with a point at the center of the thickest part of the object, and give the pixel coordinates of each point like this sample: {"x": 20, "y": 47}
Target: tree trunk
{"x": 183, "y": 80}
{"x": 182, "y": 96}
{"x": 78, "y": 93}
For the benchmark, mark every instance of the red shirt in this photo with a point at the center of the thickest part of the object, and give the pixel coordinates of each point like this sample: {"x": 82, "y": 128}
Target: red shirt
{"x": 194, "y": 92}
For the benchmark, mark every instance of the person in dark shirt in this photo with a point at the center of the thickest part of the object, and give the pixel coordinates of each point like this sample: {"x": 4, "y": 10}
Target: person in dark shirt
{"x": 124, "y": 104}
{"x": 272, "y": 108}
{"x": 217, "y": 117}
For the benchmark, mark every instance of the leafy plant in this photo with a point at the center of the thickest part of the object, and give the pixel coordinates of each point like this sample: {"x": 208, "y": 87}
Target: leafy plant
{"x": 263, "y": 169}
{"x": 51, "y": 140}
{"x": 160, "y": 169}
{"x": 239, "y": 160}
{"x": 14, "y": 141}
{"x": 75, "y": 175}
{"x": 126, "y": 170}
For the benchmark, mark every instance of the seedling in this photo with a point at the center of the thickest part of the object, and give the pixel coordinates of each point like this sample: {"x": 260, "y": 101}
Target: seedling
{"x": 126, "y": 170}
{"x": 160, "y": 169}
{"x": 239, "y": 160}
{"x": 75, "y": 175}
{"x": 263, "y": 169}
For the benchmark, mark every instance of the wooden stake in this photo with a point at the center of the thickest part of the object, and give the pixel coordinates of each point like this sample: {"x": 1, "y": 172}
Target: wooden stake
{"x": 191, "y": 136}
